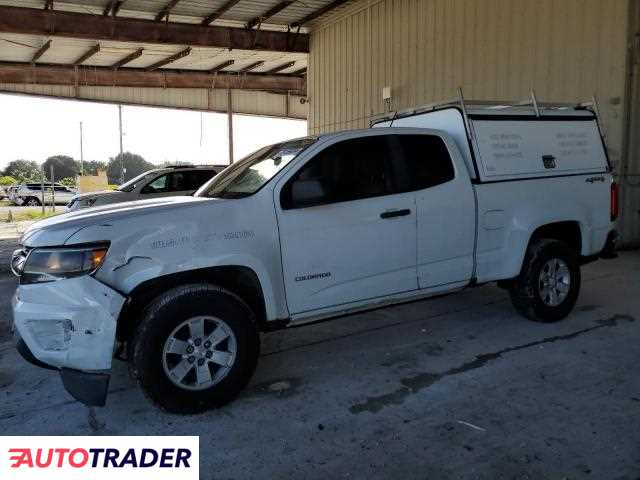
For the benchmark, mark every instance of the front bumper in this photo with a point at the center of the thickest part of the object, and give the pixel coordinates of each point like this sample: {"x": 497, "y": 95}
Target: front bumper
{"x": 89, "y": 388}
{"x": 70, "y": 325}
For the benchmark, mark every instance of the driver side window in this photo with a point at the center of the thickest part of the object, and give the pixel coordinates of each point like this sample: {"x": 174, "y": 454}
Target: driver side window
{"x": 346, "y": 171}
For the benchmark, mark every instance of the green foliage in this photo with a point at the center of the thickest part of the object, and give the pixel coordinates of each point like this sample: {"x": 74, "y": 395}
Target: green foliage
{"x": 23, "y": 171}
{"x": 69, "y": 182}
{"x": 92, "y": 167}
{"x": 133, "y": 164}
{"x": 7, "y": 180}
{"x": 63, "y": 167}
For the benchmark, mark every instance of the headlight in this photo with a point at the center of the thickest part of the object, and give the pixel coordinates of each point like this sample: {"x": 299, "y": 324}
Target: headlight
{"x": 51, "y": 264}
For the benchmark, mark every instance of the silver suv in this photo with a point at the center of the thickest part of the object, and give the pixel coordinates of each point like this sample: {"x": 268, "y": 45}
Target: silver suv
{"x": 30, "y": 194}
{"x": 162, "y": 182}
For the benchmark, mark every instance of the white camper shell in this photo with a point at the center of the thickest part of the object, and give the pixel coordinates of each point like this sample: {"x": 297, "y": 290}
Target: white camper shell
{"x": 502, "y": 141}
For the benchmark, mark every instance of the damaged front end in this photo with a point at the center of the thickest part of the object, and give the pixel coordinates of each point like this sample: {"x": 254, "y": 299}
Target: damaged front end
{"x": 65, "y": 319}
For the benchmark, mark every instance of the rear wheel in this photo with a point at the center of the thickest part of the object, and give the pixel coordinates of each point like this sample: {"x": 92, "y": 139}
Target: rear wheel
{"x": 548, "y": 285}
{"x": 195, "y": 348}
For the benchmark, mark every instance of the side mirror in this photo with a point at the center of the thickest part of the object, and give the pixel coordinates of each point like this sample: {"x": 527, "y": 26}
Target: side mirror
{"x": 307, "y": 193}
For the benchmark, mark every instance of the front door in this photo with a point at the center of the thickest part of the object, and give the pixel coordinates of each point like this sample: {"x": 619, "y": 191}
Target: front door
{"x": 346, "y": 234}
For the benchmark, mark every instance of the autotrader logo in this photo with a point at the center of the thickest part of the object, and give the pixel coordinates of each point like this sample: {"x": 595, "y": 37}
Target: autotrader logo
{"x": 26, "y": 458}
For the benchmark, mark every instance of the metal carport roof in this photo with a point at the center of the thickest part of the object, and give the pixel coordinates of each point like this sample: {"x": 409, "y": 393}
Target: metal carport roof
{"x": 70, "y": 48}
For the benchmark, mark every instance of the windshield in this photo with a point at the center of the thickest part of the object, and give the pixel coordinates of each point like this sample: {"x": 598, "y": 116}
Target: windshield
{"x": 131, "y": 184}
{"x": 250, "y": 174}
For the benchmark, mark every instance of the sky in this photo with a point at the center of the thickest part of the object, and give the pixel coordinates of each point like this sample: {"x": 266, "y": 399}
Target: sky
{"x": 36, "y": 128}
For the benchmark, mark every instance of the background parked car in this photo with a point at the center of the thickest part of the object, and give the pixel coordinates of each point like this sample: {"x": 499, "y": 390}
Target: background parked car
{"x": 30, "y": 194}
{"x": 11, "y": 193}
{"x": 161, "y": 182}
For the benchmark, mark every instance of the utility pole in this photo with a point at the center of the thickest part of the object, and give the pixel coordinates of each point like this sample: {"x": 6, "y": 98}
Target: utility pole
{"x": 42, "y": 190}
{"x": 53, "y": 190}
{"x": 230, "y": 123}
{"x": 81, "y": 152}
{"x": 121, "y": 150}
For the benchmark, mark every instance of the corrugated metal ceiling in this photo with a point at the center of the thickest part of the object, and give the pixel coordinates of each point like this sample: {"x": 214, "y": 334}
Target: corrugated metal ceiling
{"x": 64, "y": 51}
{"x": 20, "y": 48}
{"x": 190, "y": 11}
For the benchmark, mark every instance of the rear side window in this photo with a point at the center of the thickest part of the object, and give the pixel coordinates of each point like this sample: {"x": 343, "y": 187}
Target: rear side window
{"x": 425, "y": 162}
{"x": 346, "y": 171}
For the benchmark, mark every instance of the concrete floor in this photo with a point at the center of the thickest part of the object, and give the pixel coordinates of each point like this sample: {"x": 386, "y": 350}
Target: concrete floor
{"x": 454, "y": 387}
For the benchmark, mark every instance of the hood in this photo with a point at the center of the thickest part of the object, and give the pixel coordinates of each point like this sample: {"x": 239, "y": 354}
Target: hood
{"x": 56, "y": 230}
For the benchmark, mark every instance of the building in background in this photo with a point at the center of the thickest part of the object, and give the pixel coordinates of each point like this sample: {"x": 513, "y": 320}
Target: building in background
{"x": 424, "y": 50}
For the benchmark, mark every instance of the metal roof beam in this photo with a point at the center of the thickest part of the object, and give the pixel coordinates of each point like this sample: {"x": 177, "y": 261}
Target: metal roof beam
{"x": 318, "y": 13}
{"x": 41, "y": 51}
{"x": 300, "y": 71}
{"x": 168, "y": 60}
{"x": 166, "y": 10}
{"x": 252, "y": 66}
{"x": 112, "y": 8}
{"x": 25, "y": 73}
{"x": 219, "y": 12}
{"x": 223, "y": 65}
{"x": 129, "y": 58}
{"x": 96, "y": 27}
{"x": 279, "y": 68}
{"x": 87, "y": 55}
{"x": 269, "y": 13}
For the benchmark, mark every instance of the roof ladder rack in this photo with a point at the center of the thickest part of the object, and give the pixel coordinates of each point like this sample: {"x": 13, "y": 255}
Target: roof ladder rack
{"x": 465, "y": 115}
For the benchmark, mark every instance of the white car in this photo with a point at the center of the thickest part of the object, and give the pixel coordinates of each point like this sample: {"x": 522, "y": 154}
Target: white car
{"x": 161, "y": 182}
{"x": 30, "y": 194}
{"x": 310, "y": 229}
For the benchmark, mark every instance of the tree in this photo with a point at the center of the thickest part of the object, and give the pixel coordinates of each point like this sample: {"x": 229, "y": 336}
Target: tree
{"x": 67, "y": 182}
{"x": 92, "y": 167}
{"x": 7, "y": 180}
{"x": 134, "y": 165}
{"x": 23, "y": 171}
{"x": 63, "y": 167}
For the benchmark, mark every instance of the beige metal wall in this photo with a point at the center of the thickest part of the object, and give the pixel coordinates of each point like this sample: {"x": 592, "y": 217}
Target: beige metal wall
{"x": 567, "y": 50}
{"x": 245, "y": 102}
{"x": 630, "y": 169}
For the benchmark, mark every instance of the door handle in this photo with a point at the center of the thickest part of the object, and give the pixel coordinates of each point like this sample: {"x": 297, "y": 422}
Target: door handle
{"x": 395, "y": 213}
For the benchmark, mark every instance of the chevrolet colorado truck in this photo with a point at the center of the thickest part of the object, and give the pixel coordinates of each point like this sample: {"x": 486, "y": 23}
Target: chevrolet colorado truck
{"x": 426, "y": 203}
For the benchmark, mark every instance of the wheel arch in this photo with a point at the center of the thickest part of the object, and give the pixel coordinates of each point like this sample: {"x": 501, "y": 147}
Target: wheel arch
{"x": 568, "y": 232}
{"x": 238, "y": 279}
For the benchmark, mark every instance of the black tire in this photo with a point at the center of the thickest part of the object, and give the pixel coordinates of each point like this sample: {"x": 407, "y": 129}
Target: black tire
{"x": 525, "y": 290}
{"x": 159, "y": 320}
{"x": 32, "y": 202}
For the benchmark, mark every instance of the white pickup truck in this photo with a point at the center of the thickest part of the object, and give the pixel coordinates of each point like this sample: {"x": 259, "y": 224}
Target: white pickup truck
{"x": 314, "y": 228}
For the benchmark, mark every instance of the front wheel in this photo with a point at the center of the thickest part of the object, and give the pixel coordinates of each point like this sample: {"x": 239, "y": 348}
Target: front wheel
{"x": 548, "y": 285}
{"x": 195, "y": 348}
{"x": 32, "y": 202}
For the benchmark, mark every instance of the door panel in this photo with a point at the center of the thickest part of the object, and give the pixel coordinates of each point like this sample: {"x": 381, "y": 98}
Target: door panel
{"x": 446, "y": 233}
{"x": 345, "y": 235}
{"x": 446, "y": 211}
{"x": 345, "y": 252}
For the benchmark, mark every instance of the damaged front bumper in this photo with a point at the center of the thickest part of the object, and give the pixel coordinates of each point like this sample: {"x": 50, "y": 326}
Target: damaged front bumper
{"x": 70, "y": 325}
